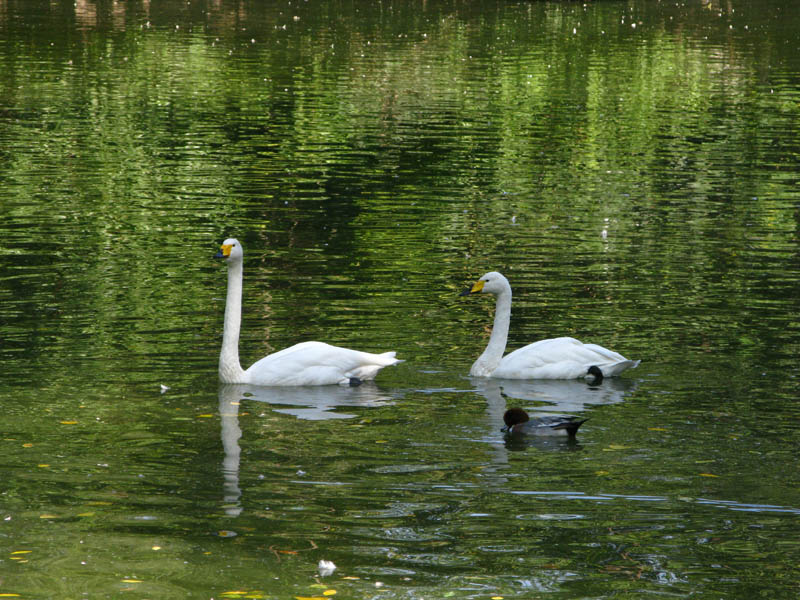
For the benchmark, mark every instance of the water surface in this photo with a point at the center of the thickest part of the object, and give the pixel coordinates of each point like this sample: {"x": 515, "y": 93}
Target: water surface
{"x": 630, "y": 166}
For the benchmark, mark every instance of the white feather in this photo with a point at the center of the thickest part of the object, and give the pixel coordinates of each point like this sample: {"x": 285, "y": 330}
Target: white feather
{"x": 307, "y": 363}
{"x": 557, "y": 358}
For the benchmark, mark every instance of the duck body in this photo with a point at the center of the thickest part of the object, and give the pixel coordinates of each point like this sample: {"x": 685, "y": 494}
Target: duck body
{"x": 555, "y": 358}
{"x": 307, "y": 363}
{"x": 519, "y": 422}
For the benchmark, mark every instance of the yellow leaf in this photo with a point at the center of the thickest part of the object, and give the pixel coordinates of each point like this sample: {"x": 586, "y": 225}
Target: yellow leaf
{"x": 156, "y": 548}
{"x": 28, "y": 445}
{"x": 99, "y": 503}
{"x": 48, "y": 516}
{"x": 22, "y": 551}
{"x": 656, "y": 429}
{"x": 613, "y": 447}
{"x": 329, "y": 593}
{"x": 497, "y": 598}
{"x": 131, "y": 581}
{"x": 69, "y": 422}
{"x": 9, "y": 595}
{"x": 205, "y": 416}
{"x": 309, "y": 598}
{"x": 380, "y": 441}
{"x": 601, "y": 472}
{"x": 43, "y": 465}
{"x": 708, "y": 475}
{"x": 350, "y": 577}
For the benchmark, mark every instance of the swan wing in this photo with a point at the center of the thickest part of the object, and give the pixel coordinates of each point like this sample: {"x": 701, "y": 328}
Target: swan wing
{"x": 317, "y": 363}
{"x": 560, "y": 358}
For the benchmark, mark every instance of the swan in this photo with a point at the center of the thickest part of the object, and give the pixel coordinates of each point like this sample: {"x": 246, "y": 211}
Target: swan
{"x": 307, "y": 363}
{"x": 557, "y": 358}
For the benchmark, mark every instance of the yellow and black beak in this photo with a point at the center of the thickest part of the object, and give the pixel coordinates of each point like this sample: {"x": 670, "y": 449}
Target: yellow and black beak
{"x": 474, "y": 289}
{"x": 224, "y": 251}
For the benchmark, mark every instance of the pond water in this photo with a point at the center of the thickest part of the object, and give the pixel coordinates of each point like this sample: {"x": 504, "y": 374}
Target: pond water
{"x": 632, "y": 167}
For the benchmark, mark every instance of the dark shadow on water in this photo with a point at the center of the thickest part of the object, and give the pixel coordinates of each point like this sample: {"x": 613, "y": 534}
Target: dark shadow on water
{"x": 517, "y": 443}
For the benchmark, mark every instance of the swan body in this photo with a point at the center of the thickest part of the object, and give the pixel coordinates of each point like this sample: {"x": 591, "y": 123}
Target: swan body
{"x": 556, "y": 358}
{"x": 307, "y": 363}
{"x": 518, "y": 422}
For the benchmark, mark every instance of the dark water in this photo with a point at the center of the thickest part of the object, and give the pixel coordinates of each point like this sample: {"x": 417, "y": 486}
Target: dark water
{"x": 632, "y": 167}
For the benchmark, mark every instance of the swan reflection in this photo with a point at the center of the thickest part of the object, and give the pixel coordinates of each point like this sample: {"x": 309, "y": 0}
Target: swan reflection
{"x": 304, "y": 402}
{"x": 548, "y": 395}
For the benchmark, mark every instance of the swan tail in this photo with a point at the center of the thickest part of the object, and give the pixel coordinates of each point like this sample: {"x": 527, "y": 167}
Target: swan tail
{"x": 615, "y": 369}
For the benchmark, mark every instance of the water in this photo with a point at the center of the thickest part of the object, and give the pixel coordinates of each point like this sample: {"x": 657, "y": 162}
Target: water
{"x": 631, "y": 167}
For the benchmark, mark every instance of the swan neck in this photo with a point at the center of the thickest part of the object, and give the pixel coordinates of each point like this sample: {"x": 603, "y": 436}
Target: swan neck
{"x": 230, "y": 370}
{"x": 491, "y": 357}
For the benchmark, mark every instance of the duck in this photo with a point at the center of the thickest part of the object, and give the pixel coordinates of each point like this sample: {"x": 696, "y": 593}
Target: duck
{"x": 519, "y": 422}
{"x": 306, "y": 363}
{"x": 555, "y": 358}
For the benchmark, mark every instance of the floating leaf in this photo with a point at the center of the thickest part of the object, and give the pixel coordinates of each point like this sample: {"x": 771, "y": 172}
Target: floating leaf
{"x": 329, "y": 593}
{"x": 22, "y": 551}
{"x": 28, "y": 445}
{"x": 601, "y": 472}
{"x": 43, "y": 465}
{"x": 226, "y": 533}
{"x": 156, "y": 548}
{"x": 131, "y": 581}
{"x": 9, "y": 595}
{"x": 206, "y": 416}
{"x": 613, "y": 447}
{"x": 48, "y": 516}
{"x": 309, "y": 598}
{"x": 708, "y": 475}
{"x": 656, "y": 428}
{"x": 69, "y": 422}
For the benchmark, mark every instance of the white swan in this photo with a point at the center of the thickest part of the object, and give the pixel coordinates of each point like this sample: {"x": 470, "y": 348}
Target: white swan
{"x": 557, "y": 358}
{"x": 308, "y": 363}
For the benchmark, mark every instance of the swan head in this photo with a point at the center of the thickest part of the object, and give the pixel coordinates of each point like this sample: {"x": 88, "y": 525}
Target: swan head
{"x": 230, "y": 250}
{"x": 491, "y": 283}
{"x": 514, "y": 416}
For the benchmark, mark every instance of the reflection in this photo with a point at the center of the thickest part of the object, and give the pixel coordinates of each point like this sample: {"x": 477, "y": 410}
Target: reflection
{"x": 515, "y": 443}
{"x": 317, "y": 402}
{"x": 551, "y": 395}
{"x": 310, "y": 402}
{"x": 231, "y": 432}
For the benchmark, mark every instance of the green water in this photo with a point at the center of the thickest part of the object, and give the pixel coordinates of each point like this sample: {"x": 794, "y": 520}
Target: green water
{"x": 632, "y": 167}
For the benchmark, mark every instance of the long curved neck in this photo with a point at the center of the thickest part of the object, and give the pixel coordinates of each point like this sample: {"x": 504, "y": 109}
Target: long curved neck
{"x": 491, "y": 357}
{"x": 230, "y": 371}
